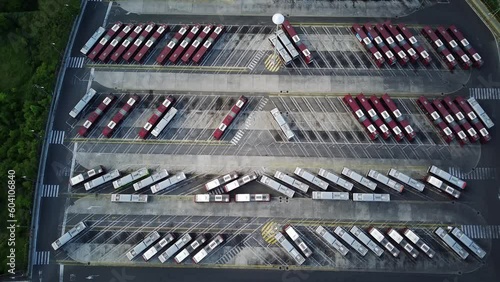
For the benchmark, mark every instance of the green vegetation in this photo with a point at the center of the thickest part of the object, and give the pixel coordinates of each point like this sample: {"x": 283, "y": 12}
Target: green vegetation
{"x": 494, "y": 7}
{"x": 32, "y": 40}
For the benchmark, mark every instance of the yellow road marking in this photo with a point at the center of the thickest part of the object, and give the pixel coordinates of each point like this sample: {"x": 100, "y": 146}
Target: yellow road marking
{"x": 273, "y": 63}
{"x": 268, "y": 231}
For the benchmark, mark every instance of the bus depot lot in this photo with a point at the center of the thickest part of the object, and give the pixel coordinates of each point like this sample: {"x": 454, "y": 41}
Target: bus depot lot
{"x": 323, "y": 126}
{"x": 249, "y": 240}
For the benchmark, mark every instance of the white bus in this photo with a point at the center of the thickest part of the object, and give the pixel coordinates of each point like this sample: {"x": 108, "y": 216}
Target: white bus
{"x": 68, "y": 236}
{"x": 96, "y": 171}
{"x": 139, "y": 248}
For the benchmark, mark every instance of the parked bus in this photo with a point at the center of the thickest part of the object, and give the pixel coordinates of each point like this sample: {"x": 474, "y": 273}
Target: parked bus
{"x": 196, "y": 44}
{"x": 359, "y": 178}
{"x": 121, "y": 115}
{"x": 230, "y": 117}
{"x": 311, "y": 178}
{"x": 243, "y": 198}
{"x": 442, "y": 187}
{"x": 472, "y": 117}
{"x": 438, "y": 45}
{"x": 177, "y": 246}
{"x": 102, "y": 179}
{"x": 396, "y": 114}
{"x": 129, "y": 198}
{"x": 292, "y": 233}
{"x": 424, "y": 55}
{"x": 464, "y": 60}
{"x": 287, "y": 44}
{"x": 435, "y": 118}
{"x": 464, "y": 43}
{"x": 209, "y": 43}
{"x": 157, "y": 35}
{"x": 115, "y": 42}
{"x": 133, "y": 177}
{"x": 280, "y": 49}
{"x": 460, "y": 118}
{"x": 373, "y": 116}
{"x": 419, "y": 186}
{"x": 291, "y": 181}
{"x": 273, "y": 184}
{"x": 207, "y": 198}
{"x": 374, "y": 36}
{"x": 149, "y": 240}
{"x": 361, "y": 117}
{"x": 385, "y": 180}
{"x": 365, "y": 41}
{"x": 158, "y": 246}
{"x": 157, "y": 115}
{"x": 371, "y": 197}
{"x": 70, "y": 235}
{"x": 169, "y": 182}
{"x": 323, "y": 195}
{"x": 126, "y": 43}
{"x": 214, "y": 183}
{"x": 92, "y": 40}
{"x": 82, "y": 103}
{"x": 96, "y": 115}
{"x": 290, "y": 31}
{"x": 360, "y": 234}
{"x": 334, "y": 178}
{"x": 160, "y": 175}
{"x": 190, "y": 248}
{"x": 203, "y": 253}
{"x": 377, "y": 235}
{"x": 346, "y": 237}
{"x": 403, "y": 243}
{"x": 82, "y": 177}
{"x": 177, "y": 54}
{"x": 415, "y": 239}
{"x": 104, "y": 41}
{"x": 167, "y": 50}
{"x": 451, "y": 243}
{"x": 282, "y": 123}
{"x": 289, "y": 248}
{"x": 480, "y": 112}
{"x": 398, "y": 134}
{"x": 331, "y": 240}
{"x": 239, "y": 182}
{"x": 164, "y": 122}
{"x": 447, "y": 177}
{"x": 471, "y": 245}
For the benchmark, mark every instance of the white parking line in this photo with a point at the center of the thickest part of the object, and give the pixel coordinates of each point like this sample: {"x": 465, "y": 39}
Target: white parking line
{"x": 56, "y": 137}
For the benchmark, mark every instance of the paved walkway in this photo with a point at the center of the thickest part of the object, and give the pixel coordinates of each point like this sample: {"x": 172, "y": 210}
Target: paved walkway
{"x": 486, "y": 16}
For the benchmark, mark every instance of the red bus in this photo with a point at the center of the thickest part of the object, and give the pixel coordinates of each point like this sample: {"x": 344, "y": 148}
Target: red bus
{"x": 104, "y": 41}
{"x": 151, "y": 42}
{"x": 290, "y": 31}
{"x": 434, "y": 117}
{"x": 198, "y": 57}
{"x": 459, "y": 116}
{"x": 398, "y": 134}
{"x": 374, "y": 36}
{"x": 365, "y": 40}
{"x": 174, "y": 58}
{"x": 424, "y": 55}
{"x": 118, "y": 53}
{"x": 438, "y": 45}
{"x": 438, "y": 105}
{"x": 402, "y": 41}
{"x": 478, "y": 62}
{"x": 472, "y": 117}
{"x": 396, "y": 114}
{"x": 402, "y": 58}
{"x": 373, "y": 115}
{"x": 139, "y": 41}
{"x": 120, "y": 116}
{"x": 156, "y": 117}
{"x": 361, "y": 117}
{"x": 196, "y": 44}
{"x": 226, "y": 122}
{"x": 165, "y": 53}
{"x": 464, "y": 60}
{"x": 126, "y": 30}
{"x": 96, "y": 115}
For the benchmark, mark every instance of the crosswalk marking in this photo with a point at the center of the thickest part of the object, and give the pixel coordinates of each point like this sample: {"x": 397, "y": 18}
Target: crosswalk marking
{"x": 42, "y": 258}
{"x": 56, "y": 137}
{"x": 217, "y": 191}
{"x": 76, "y": 62}
{"x": 481, "y": 231}
{"x": 229, "y": 255}
{"x": 478, "y": 173}
{"x": 256, "y": 59}
{"x": 94, "y": 0}
{"x": 485, "y": 93}
{"x": 50, "y": 190}
{"x": 248, "y": 121}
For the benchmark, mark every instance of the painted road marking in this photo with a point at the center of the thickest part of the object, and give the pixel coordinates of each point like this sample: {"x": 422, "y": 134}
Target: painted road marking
{"x": 481, "y": 231}
{"x": 56, "y": 137}
{"x": 42, "y": 258}
{"x": 478, "y": 173}
{"x": 485, "y": 93}
{"x": 273, "y": 63}
{"x": 50, "y": 190}
{"x": 76, "y": 62}
{"x": 268, "y": 231}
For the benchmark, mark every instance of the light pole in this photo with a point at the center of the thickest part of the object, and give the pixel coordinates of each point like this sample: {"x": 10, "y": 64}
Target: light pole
{"x": 54, "y": 46}
{"x": 277, "y": 20}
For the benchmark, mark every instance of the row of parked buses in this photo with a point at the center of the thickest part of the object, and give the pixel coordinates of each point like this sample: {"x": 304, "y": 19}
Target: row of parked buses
{"x": 288, "y": 44}
{"x": 464, "y": 119}
{"x": 390, "y": 43}
{"x": 134, "y": 41}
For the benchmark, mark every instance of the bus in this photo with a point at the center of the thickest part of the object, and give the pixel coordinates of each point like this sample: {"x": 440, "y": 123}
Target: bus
{"x": 129, "y": 198}
{"x": 158, "y": 246}
{"x": 360, "y": 234}
{"x": 70, "y": 235}
{"x": 133, "y": 177}
{"x": 92, "y": 40}
{"x": 214, "y": 183}
{"x": 190, "y": 248}
{"x": 323, "y": 195}
{"x": 115, "y": 42}
{"x": 209, "y": 43}
{"x": 464, "y": 43}
{"x": 178, "y": 37}
{"x": 311, "y": 178}
{"x": 385, "y": 180}
{"x": 82, "y": 177}
{"x": 424, "y": 55}
{"x": 282, "y": 123}
{"x": 160, "y": 175}
{"x": 442, "y": 186}
{"x": 273, "y": 184}
{"x": 102, "y": 179}
{"x": 379, "y": 237}
{"x": 361, "y": 117}
{"x": 196, "y": 44}
{"x": 373, "y": 116}
{"x": 287, "y": 44}
{"x": 207, "y": 198}
{"x": 156, "y": 116}
{"x": 331, "y": 240}
{"x": 371, "y": 197}
{"x": 139, "y": 248}
{"x": 104, "y": 41}
{"x": 243, "y": 198}
{"x": 464, "y": 60}
{"x": 169, "y": 182}
{"x": 139, "y": 41}
{"x": 290, "y": 31}
{"x": 96, "y": 115}
{"x": 415, "y": 239}
{"x": 365, "y": 40}
{"x": 239, "y": 182}
{"x": 480, "y": 112}
{"x": 435, "y": 118}
{"x": 289, "y": 248}
{"x": 126, "y": 43}
{"x": 291, "y": 181}
{"x": 396, "y": 114}
{"x": 438, "y": 45}
{"x": 359, "y": 178}
{"x": 292, "y": 233}
{"x": 471, "y": 245}
{"x": 461, "y": 120}
{"x": 179, "y": 244}
{"x": 280, "y": 49}
{"x": 402, "y": 41}
{"x": 230, "y": 117}
{"x": 402, "y": 242}
{"x": 121, "y": 115}
{"x": 402, "y": 58}
{"x": 447, "y": 177}
{"x": 346, "y": 237}
{"x": 398, "y": 134}
{"x": 151, "y": 42}
{"x": 451, "y": 243}
{"x": 174, "y": 58}
{"x": 203, "y": 253}
{"x": 164, "y": 122}
{"x": 374, "y": 36}
{"x": 472, "y": 117}
{"x": 334, "y": 178}
{"x": 419, "y": 186}
{"x": 82, "y": 103}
